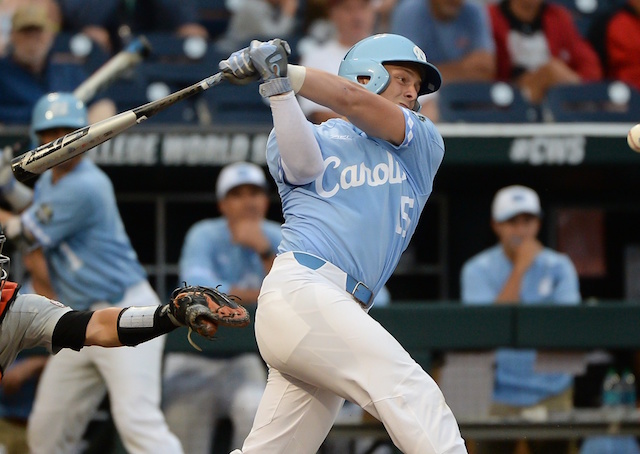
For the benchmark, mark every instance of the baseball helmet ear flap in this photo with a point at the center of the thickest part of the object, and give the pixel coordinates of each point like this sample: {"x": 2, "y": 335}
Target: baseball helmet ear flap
{"x": 57, "y": 110}
{"x": 366, "y": 59}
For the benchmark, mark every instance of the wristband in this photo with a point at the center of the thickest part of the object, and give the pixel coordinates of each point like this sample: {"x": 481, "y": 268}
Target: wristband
{"x": 275, "y": 86}
{"x": 140, "y": 324}
{"x": 296, "y": 76}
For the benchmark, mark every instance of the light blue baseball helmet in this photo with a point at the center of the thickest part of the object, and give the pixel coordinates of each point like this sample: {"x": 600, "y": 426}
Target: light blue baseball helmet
{"x": 366, "y": 59}
{"x": 57, "y": 110}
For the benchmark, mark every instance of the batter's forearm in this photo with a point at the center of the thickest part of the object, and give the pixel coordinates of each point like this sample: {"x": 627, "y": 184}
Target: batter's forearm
{"x": 301, "y": 157}
{"x": 375, "y": 115}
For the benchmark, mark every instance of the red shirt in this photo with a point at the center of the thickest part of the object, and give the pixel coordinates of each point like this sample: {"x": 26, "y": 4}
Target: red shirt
{"x": 623, "y": 47}
{"x": 563, "y": 40}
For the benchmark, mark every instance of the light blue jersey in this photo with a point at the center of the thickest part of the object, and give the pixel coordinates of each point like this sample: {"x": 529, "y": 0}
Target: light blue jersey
{"x": 361, "y": 212}
{"x": 210, "y": 258}
{"x": 77, "y": 223}
{"x": 551, "y": 279}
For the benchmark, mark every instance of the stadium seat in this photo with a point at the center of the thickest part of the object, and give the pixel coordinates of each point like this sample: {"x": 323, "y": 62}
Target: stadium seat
{"x": 238, "y": 105}
{"x": 128, "y": 92}
{"x": 78, "y": 49}
{"x": 214, "y": 16}
{"x": 482, "y": 102}
{"x": 180, "y": 61}
{"x": 586, "y": 12}
{"x": 135, "y": 90}
{"x": 593, "y": 102}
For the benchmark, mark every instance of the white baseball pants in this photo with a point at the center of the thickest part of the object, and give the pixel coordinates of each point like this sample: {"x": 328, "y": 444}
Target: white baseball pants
{"x": 322, "y": 347}
{"x": 74, "y": 383}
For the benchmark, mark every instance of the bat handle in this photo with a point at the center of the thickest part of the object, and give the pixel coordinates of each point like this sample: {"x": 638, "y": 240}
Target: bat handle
{"x": 140, "y": 46}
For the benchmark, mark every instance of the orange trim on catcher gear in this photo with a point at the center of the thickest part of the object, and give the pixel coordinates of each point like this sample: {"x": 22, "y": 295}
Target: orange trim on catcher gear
{"x": 9, "y": 293}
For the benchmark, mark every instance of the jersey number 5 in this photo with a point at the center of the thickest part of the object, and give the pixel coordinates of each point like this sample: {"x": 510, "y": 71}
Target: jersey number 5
{"x": 406, "y": 203}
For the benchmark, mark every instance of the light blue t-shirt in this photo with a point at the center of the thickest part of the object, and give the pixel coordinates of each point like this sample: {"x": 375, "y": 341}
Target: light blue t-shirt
{"x": 551, "y": 279}
{"x": 77, "y": 223}
{"x": 210, "y": 258}
{"x": 443, "y": 41}
{"x": 361, "y": 212}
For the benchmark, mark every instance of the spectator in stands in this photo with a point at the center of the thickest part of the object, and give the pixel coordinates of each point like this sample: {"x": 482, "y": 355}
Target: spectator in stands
{"x": 539, "y": 46}
{"x": 234, "y": 251}
{"x": 258, "y": 19}
{"x": 520, "y": 270}
{"x": 351, "y": 21}
{"x": 111, "y": 22}
{"x": 384, "y": 10}
{"x": 623, "y": 45}
{"x": 456, "y": 36}
{"x": 30, "y": 71}
{"x": 7, "y": 8}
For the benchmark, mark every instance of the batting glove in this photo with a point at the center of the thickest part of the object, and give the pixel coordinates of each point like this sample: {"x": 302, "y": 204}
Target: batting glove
{"x": 270, "y": 60}
{"x": 238, "y": 68}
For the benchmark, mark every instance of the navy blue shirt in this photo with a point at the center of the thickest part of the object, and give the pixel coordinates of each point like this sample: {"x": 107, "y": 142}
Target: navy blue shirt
{"x": 21, "y": 89}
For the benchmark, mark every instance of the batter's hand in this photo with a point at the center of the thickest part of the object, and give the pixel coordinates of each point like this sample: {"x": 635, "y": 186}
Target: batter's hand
{"x": 238, "y": 68}
{"x": 270, "y": 59}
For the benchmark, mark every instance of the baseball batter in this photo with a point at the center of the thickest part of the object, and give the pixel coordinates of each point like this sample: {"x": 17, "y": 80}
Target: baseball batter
{"x": 90, "y": 263}
{"x": 352, "y": 191}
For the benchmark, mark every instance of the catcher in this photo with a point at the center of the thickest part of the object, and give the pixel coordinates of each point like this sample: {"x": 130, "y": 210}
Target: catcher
{"x": 29, "y": 320}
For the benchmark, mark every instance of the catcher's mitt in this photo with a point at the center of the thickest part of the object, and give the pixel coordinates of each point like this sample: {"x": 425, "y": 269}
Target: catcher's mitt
{"x": 203, "y": 309}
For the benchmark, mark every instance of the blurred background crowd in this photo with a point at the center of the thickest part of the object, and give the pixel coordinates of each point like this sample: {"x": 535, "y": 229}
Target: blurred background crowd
{"x": 511, "y": 53}
{"x": 528, "y": 62}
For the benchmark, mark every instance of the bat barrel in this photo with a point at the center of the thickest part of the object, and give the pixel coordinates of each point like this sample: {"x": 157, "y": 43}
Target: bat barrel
{"x": 36, "y": 162}
{"x": 21, "y": 174}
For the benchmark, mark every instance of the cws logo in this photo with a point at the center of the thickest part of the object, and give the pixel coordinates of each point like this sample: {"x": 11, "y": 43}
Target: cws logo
{"x": 538, "y": 151}
{"x": 356, "y": 175}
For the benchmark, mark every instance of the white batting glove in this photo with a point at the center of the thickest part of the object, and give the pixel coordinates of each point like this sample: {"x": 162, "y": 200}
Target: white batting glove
{"x": 238, "y": 68}
{"x": 270, "y": 60}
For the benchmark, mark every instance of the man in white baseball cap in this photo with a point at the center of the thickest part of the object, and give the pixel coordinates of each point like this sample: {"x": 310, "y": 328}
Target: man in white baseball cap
{"x": 520, "y": 270}
{"x": 236, "y": 250}
{"x": 237, "y": 174}
{"x": 514, "y": 200}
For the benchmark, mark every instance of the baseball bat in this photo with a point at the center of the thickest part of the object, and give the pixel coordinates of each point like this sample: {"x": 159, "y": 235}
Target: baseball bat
{"x": 35, "y": 162}
{"x": 129, "y": 57}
